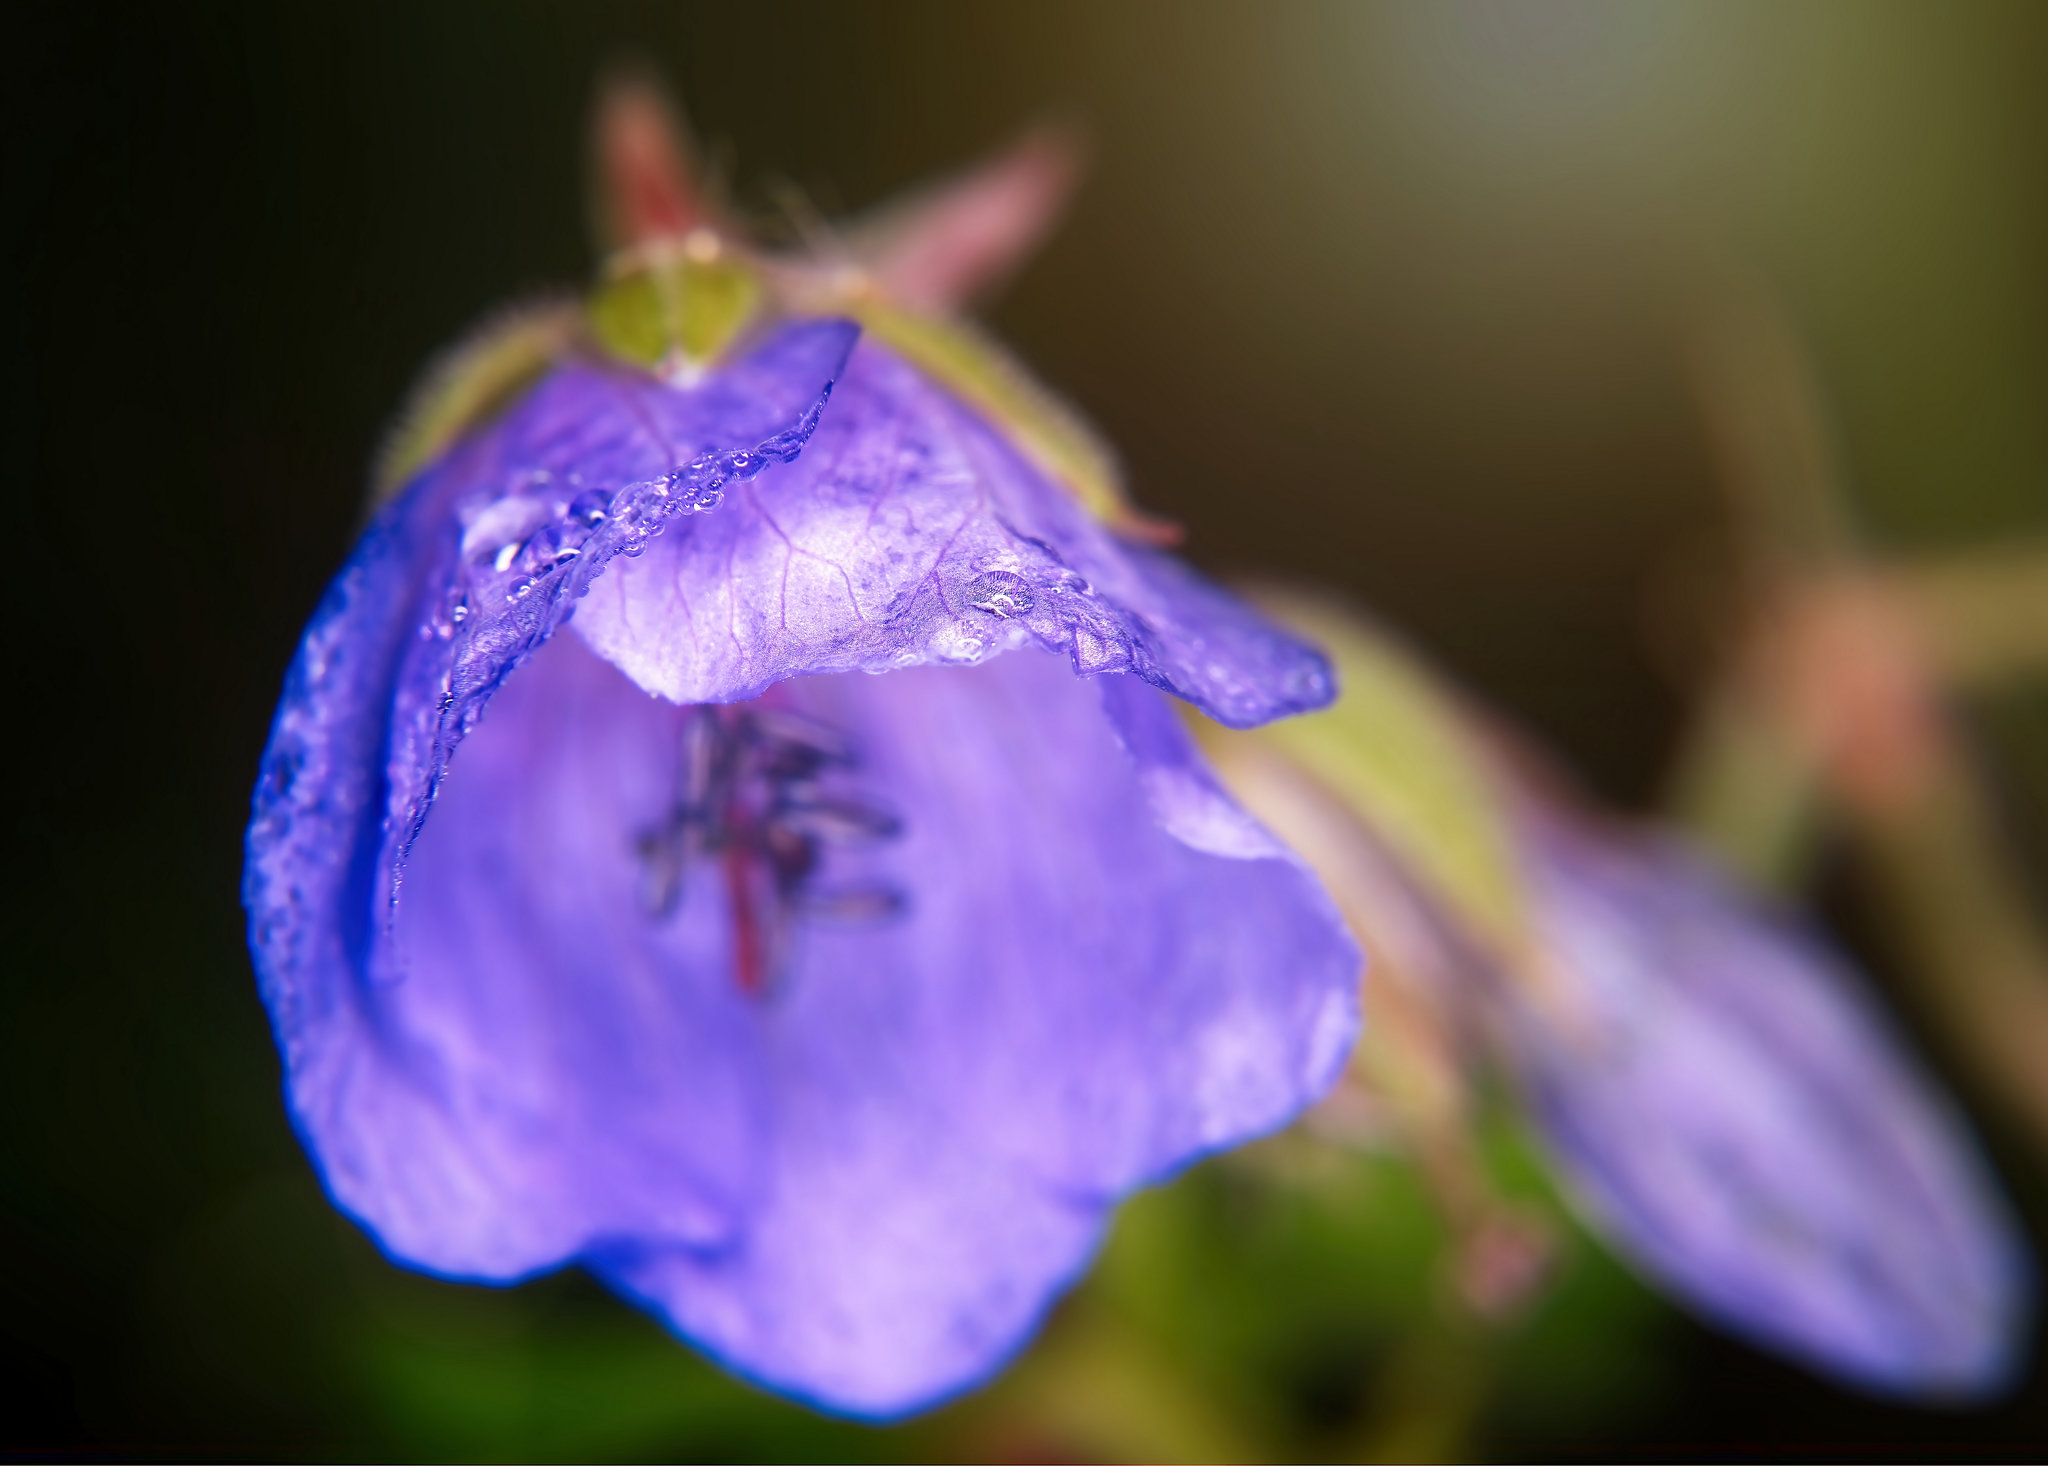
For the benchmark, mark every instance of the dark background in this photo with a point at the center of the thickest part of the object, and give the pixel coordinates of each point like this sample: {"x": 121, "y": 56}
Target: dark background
{"x": 1390, "y": 297}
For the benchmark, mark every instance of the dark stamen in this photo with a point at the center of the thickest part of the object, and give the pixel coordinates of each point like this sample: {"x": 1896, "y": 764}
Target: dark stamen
{"x": 765, "y": 792}
{"x": 853, "y": 904}
{"x": 840, "y": 821}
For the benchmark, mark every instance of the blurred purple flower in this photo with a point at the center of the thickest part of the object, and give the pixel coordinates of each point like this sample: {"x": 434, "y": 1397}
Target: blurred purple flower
{"x": 826, "y": 1015}
{"x": 1734, "y": 1115}
{"x": 1714, "y": 1090}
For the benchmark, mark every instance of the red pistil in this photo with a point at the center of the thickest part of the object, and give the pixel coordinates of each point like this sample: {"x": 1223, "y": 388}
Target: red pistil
{"x": 749, "y": 939}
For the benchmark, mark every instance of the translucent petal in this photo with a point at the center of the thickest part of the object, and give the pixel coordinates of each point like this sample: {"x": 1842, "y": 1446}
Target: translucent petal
{"x": 1074, "y": 1003}
{"x": 911, "y": 533}
{"x": 1046, "y": 961}
{"x": 865, "y": 1186}
{"x": 403, "y": 655}
{"x": 863, "y": 1183}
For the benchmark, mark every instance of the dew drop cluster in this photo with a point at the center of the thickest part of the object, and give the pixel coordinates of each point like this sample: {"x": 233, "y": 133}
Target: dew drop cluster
{"x": 526, "y": 555}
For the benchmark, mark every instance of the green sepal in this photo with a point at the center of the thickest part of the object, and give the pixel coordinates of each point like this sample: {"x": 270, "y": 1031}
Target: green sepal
{"x": 470, "y": 383}
{"x": 1401, "y": 756}
{"x": 979, "y": 372}
{"x": 673, "y": 310}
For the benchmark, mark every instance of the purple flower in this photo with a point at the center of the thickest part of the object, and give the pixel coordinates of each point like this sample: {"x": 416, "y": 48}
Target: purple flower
{"x": 1712, "y": 1087}
{"x": 826, "y": 1015}
{"x": 1733, "y": 1113}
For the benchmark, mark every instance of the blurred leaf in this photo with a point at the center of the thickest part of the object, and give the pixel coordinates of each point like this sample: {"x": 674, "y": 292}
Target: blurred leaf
{"x": 559, "y": 1370}
{"x": 1290, "y": 1302}
{"x": 1397, "y": 751}
{"x": 469, "y": 383}
{"x": 984, "y": 375}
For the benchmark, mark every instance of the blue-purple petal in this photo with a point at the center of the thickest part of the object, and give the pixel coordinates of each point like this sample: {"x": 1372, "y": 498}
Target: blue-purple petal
{"x": 526, "y": 516}
{"x": 863, "y": 1184}
{"x": 1073, "y": 1004}
{"x": 1734, "y": 1115}
{"x": 911, "y": 532}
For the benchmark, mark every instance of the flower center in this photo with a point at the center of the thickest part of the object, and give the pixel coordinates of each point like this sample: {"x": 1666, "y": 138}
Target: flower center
{"x": 762, "y": 797}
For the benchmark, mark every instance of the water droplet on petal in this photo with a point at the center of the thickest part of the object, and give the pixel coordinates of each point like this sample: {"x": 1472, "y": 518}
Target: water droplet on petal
{"x": 1000, "y": 593}
{"x": 955, "y": 643}
{"x": 1093, "y": 652}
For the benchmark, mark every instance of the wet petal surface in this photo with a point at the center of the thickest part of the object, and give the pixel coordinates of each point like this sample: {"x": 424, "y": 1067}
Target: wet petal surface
{"x": 842, "y": 1081}
{"x": 426, "y": 620}
{"x": 909, "y": 533}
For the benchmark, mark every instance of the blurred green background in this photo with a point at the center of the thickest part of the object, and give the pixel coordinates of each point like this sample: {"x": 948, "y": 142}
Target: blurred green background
{"x": 1396, "y": 297}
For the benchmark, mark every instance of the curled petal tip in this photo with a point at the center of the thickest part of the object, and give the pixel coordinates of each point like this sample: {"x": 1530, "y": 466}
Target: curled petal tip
{"x": 857, "y": 558}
